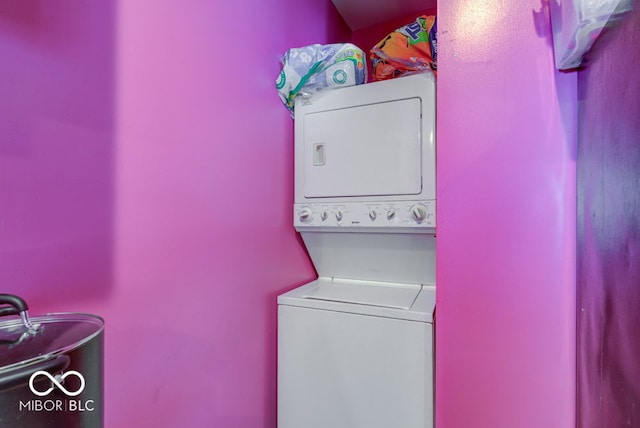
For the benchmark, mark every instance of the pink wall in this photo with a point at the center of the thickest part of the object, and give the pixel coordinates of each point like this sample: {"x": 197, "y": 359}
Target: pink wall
{"x": 148, "y": 179}
{"x": 505, "y": 331}
{"x": 204, "y": 237}
{"x": 608, "y": 231}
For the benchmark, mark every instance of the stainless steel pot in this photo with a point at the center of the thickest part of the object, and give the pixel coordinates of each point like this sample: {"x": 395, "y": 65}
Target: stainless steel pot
{"x": 51, "y": 368}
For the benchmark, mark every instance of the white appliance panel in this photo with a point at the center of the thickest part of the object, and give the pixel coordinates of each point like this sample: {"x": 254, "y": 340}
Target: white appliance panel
{"x": 389, "y": 216}
{"x": 355, "y": 152}
{"x": 344, "y": 370}
{"x": 372, "y": 143}
{"x": 388, "y": 257}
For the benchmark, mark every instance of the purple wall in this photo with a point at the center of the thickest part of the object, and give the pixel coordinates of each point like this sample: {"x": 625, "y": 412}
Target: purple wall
{"x": 56, "y": 149}
{"x": 146, "y": 176}
{"x": 609, "y": 231}
{"x": 505, "y": 331}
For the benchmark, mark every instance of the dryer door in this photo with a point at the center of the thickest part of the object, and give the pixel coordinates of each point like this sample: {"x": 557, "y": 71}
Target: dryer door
{"x": 368, "y": 150}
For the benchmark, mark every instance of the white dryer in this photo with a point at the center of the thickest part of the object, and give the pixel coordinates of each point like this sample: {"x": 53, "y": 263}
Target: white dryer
{"x": 355, "y": 346}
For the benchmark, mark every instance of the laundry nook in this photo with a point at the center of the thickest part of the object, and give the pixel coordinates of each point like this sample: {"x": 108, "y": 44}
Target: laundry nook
{"x": 319, "y": 214}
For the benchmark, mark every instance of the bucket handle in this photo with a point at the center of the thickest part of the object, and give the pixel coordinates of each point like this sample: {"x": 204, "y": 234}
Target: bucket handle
{"x": 17, "y": 306}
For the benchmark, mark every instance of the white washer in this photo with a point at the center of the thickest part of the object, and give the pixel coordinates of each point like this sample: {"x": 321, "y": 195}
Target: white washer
{"x": 355, "y": 346}
{"x": 355, "y": 355}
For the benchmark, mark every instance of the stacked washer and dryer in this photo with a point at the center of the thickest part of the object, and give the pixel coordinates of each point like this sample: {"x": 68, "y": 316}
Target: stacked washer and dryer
{"x": 355, "y": 346}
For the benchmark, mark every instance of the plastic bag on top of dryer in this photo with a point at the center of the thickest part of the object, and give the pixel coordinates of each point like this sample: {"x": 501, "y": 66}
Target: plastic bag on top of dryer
{"x": 408, "y": 50}
{"x": 315, "y": 68}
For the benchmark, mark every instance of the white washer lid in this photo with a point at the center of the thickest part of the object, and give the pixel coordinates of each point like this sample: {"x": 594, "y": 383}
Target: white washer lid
{"x": 364, "y": 293}
{"x": 413, "y": 302}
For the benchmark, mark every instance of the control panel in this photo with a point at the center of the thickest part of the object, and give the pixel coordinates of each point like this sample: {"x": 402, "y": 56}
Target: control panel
{"x": 413, "y": 214}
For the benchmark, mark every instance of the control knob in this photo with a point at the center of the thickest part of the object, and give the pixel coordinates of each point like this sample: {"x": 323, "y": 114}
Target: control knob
{"x": 339, "y": 215}
{"x": 418, "y": 213}
{"x": 373, "y": 214}
{"x": 391, "y": 214}
{"x": 305, "y": 215}
{"x": 324, "y": 215}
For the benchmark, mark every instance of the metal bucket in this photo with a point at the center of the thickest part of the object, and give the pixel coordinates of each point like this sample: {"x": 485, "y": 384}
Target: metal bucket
{"x": 51, "y": 368}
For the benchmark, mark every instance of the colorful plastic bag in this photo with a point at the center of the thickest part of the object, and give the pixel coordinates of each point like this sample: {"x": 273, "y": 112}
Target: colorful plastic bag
{"x": 409, "y": 49}
{"x": 314, "y": 68}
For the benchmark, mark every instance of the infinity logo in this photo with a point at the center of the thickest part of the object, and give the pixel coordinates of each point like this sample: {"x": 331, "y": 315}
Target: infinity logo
{"x": 57, "y": 383}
